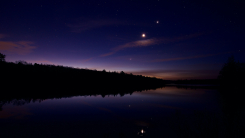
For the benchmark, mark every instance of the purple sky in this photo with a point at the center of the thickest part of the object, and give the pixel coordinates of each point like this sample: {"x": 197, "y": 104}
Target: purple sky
{"x": 183, "y": 39}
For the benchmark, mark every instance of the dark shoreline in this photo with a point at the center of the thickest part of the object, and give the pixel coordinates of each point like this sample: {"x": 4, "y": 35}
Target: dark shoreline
{"x": 20, "y": 98}
{"x": 23, "y": 80}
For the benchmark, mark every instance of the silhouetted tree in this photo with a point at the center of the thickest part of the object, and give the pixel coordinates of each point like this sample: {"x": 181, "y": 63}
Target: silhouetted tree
{"x": 232, "y": 89}
{"x": 122, "y": 73}
{"x": 21, "y": 62}
{"x": 2, "y": 57}
{"x": 232, "y": 73}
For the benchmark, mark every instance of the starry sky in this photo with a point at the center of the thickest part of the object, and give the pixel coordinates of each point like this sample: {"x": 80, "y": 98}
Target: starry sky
{"x": 168, "y": 39}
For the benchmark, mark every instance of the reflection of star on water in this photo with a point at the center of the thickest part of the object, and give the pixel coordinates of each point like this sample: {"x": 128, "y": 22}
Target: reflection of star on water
{"x": 157, "y": 21}
{"x": 141, "y": 132}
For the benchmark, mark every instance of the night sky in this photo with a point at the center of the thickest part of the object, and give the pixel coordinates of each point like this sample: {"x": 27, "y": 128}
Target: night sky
{"x": 169, "y": 39}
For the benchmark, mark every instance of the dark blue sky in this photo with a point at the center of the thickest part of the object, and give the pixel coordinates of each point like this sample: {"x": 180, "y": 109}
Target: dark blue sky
{"x": 183, "y": 39}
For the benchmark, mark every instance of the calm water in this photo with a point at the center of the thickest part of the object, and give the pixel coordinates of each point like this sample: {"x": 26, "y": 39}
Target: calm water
{"x": 168, "y": 112}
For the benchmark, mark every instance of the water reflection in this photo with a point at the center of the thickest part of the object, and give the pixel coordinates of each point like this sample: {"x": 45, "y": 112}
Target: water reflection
{"x": 165, "y": 112}
{"x": 141, "y": 132}
{"x": 15, "y": 112}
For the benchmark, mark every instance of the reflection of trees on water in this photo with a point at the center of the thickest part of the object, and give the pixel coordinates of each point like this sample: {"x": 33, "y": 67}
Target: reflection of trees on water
{"x": 1, "y": 105}
{"x": 25, "y": 99}
{"x": 19, "y": 102}
{"x": 233, "y": 107}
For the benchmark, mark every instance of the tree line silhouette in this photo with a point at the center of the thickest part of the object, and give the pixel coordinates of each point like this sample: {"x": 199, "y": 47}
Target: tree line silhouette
{"x": 21, "y": 79}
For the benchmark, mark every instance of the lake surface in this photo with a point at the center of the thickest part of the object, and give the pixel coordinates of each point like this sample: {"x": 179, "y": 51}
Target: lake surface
{"x": 165, "y": 112}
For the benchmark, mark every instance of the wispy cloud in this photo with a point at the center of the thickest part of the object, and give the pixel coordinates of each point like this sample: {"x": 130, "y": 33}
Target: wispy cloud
{"x": 2, "y": 36}
{"x": 181, "y": 58}
{"x": 149, "y": 42}
{"x": 86, "y": 60}
{"x": 189, "y": 57}
{"x": 20, "y": 47}
{"x": 87, "y": 24}
{"x": 108, "y": 54}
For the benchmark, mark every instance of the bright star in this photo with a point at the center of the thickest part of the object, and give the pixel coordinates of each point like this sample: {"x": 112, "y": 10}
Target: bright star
{"x": 143, "y": 35}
